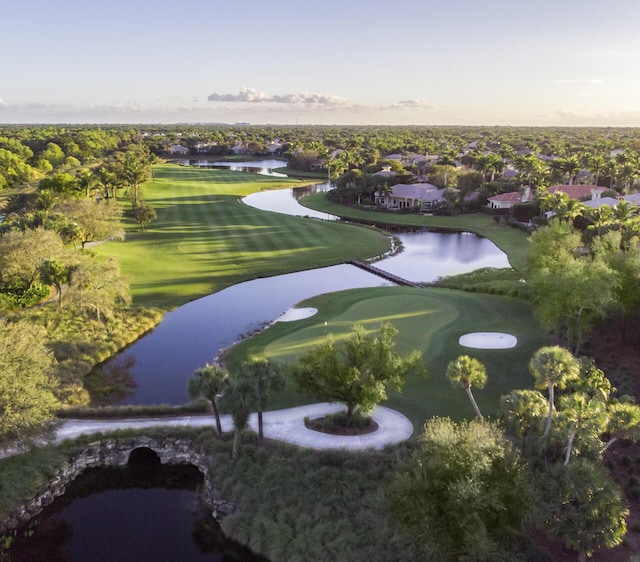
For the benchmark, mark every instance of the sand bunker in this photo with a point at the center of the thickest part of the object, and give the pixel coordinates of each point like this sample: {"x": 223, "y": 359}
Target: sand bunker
{"x": 296, "y": 314}
{"x": 488, "y": 340}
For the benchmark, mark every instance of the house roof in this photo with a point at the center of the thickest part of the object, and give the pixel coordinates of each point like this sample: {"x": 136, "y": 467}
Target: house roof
{"x": 412, "y": 190}
{"x": 512, "y": 197}
{"x": 576, "y": 191}
{"x": 601, "y": 202}
{"x": 633, "y": 198}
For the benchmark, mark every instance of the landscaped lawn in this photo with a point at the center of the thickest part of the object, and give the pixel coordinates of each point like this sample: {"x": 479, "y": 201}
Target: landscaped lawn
{"x": 206, "y": 239}
{"x": 511, "y": 241}
{"x": 430, "y": 320}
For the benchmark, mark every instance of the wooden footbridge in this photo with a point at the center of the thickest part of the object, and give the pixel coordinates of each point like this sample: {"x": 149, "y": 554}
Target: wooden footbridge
{"x": 385, "y": 274}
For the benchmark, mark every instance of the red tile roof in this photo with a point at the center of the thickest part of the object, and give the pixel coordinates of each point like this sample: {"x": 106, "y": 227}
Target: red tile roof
{"x": 513, "y": 196}
{"x": 576, "y": 191}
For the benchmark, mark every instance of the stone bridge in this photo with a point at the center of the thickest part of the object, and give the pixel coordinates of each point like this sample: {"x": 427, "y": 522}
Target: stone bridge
{"x": 115, "y": 452}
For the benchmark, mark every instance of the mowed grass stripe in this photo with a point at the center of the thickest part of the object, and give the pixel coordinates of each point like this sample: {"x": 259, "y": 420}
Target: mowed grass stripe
{"x": 205, "y": 239}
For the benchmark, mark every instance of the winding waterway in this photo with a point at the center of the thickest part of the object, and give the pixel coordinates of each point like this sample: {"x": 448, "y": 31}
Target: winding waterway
{"x": 123, "y": 520}
{"x": 162, "y": 362}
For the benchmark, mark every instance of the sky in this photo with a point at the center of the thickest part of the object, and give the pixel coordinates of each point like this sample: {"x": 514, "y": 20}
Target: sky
{"x": 329, "y": 62}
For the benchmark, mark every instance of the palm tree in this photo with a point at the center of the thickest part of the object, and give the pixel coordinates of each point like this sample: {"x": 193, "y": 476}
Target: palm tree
{"x": 267, "y": 377}
{"x": 570, "y": 166}
{"x": 209, "y": 382}
{"x": 240, "y": 396}
{"x": 467, "y": 372}
{"x": 447, "y": 158}
{"x": 496, "y": 165}
{"x": 531, "y": 166}
{"x": 596, "y": 163}
{"x": 625, "y": 211}
{"x": 579, "y": 411}
{"x": 553, "y": 366}
{"x": 600, "y": 217}
{"x": 87, "y": 182}
{"x": 522, "y": 412}
{"x": 624, "y": 421}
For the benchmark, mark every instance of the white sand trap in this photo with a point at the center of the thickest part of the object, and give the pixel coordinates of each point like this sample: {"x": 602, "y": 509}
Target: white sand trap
{"x": 296, "y": 314}
{"x": 488, "y": 340}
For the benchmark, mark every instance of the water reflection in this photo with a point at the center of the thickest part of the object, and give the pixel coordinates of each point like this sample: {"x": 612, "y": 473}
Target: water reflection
{"x": 262, "y": 167}
{"x": 194, "y": 334}
{"x": 144, "y": 513}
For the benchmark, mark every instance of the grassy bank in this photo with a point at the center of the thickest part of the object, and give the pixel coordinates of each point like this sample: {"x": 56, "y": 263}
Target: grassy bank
{"x": 511, "y": 241}
{"x": 430, "y": 320}
{"x": 206, "y": 239}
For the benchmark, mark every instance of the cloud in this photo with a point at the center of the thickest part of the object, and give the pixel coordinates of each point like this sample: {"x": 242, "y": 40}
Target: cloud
{"x": 412, "y": 104}
{"x": 580, "y": 81}
{"x": 310, "y": 100}
{"x": 249, "y": 95}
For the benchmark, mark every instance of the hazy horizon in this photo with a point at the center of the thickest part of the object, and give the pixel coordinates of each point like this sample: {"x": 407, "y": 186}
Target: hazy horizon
{"x": 464, "y": 63}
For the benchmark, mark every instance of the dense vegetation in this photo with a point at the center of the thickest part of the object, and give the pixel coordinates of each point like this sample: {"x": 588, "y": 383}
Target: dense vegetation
{"x": 68, "y": 187}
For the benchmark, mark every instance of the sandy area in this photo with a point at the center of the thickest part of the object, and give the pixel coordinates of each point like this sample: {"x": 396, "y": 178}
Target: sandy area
{"x": 488, "y": 340}
{"x": 296, "y": 314}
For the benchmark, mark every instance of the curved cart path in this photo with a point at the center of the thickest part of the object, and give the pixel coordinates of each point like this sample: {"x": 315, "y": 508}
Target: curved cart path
{"x": 283, "y": 425}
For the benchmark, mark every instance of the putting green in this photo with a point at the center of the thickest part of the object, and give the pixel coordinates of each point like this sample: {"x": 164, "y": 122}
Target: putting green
{"x": 430, "y": 320}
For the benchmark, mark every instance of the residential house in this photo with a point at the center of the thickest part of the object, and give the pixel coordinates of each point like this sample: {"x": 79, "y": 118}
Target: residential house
{"x": 385, "y": 172}
{"x": 579, "y": 192}
{"x": 178, "y": 149}
{"x": 508, "y": 200}
{"x": 275, "y": 148}
{"x": 408, "y": 196}
{"x": 239, "y": 149}
{"x": 601, "y": 202}
{"x": 632, "y": 198}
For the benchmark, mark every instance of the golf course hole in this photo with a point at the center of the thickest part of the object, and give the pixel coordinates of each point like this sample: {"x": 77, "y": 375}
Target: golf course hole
{"x": 297, "y": 314}
{"x": 488, "y": 340}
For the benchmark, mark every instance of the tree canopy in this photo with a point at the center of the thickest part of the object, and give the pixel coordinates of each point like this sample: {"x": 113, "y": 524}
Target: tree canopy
{"x": 465, "y": 494}
{"x": 27, "y": 380}
{"x": 359, "y": 371}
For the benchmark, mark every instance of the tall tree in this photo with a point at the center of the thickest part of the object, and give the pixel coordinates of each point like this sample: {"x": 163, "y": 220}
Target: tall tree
{"x": 552, "y": 367}
{"x": 98, "y": 220}
{"x": 465, "y": 493}
{"x": 240, "y": 396}
{"x": 358, "y": 372}
{"x": 22, "y": 253}
{"x": 97, "y": 287}
{"x": 585, "y": 507}
{"x": 27, "y": 380}
{"x": 267, "y": 377}
{"x": 209, "y": 382}
{"x": 467, "y": 372}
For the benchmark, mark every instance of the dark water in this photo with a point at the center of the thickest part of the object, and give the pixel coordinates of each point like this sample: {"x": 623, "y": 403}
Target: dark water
{"x": 193, "y": 334}
{"x": 135, "y": 514}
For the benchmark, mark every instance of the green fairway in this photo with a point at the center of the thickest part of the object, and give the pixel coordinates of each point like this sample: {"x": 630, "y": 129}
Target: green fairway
{"x": 430, "y": 320}
{"x": 205, "y": 239}
{"x": 511, "y": 241}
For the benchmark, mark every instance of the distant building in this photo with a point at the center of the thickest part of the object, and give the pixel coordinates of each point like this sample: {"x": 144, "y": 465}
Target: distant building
{"x": 578, "y": 192}
{"x": 408, "y": 196}
{"x": 508, "y": 200}
{"x": 178, "y": 149}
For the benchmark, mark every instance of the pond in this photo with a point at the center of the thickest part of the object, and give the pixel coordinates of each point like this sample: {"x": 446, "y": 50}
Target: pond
{"x": 131, "y": 514}
{"x": 162, "y": 362}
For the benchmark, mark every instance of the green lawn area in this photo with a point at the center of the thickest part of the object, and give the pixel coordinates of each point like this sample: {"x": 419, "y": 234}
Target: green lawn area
{"x": 510, "y": 240}
{"x": 430, "y": 320}
{"x": 205, "y": 239}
